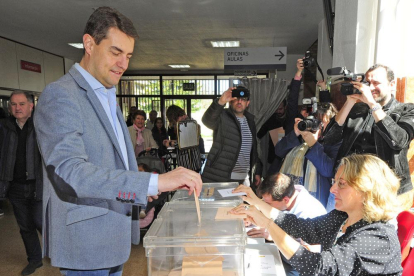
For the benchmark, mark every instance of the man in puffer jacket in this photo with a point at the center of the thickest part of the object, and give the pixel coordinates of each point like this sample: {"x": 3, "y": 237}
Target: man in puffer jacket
{"x": 233, "y": 156}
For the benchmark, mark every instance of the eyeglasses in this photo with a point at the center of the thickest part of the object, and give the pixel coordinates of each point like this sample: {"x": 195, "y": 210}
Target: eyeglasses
{"x": 242, "y": 99}
{"x": 341, "y": 183}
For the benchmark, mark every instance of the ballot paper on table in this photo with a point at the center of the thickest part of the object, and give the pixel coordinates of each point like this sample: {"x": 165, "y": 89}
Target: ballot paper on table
{"x": 263, "y": 263}
{"x": 223, "y": 213}
{"x": 228, "y": 193}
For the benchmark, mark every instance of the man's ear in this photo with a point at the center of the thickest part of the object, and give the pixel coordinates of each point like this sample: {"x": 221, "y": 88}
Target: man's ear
{"x": 393, "y": 84}
{"x": 286, "y": 200}
{"x": 248, "y": 102}
{"x": 88, "y": 43}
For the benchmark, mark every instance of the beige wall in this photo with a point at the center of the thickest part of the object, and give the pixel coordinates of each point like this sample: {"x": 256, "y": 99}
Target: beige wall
{"x": 13, "y": 77}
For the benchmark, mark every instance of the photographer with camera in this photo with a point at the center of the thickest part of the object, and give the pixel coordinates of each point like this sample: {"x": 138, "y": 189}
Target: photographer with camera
{"x": 380, "y": 125}
{"x": 233, "y": 156}
{"x": 284, "y": 116}
{"x": 310, "y": 150}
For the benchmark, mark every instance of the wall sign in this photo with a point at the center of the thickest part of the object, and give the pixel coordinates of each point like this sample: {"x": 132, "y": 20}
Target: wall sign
{"x": 188, "y": 86}
{"x": 255, "y": 58}
{"x": 30, "y": 66}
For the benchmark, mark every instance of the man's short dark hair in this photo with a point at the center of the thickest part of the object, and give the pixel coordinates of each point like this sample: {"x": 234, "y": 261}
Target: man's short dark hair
{"x": 29, "y": 96}
{"x": 390, "y": 72}
{"x": 174, "y": 112}
{"x": 104, "y": 18}
{"x": 139, "y": 112}
{"x": 277, "y": 185}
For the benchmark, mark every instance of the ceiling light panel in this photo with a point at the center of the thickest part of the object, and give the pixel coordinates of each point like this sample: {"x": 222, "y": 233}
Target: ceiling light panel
{"x": 76, "y": 45}
{"x": 179, "y": 66}
{"x": 225, "y": 44}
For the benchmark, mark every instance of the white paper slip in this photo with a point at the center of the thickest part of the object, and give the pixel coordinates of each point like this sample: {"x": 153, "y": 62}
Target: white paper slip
{"x": 228, "y": 193}
{"x": 259, "y": 263}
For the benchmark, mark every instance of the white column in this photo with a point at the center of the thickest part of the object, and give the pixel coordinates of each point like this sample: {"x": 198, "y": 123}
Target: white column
{"x": 354, "y": 34}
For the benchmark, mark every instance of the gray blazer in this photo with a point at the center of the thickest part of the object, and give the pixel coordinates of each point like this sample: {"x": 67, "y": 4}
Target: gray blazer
{"x": 85, "y": 226}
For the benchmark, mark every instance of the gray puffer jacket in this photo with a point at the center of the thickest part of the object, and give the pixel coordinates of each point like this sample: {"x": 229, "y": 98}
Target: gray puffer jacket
{"x": 226, "y": 144}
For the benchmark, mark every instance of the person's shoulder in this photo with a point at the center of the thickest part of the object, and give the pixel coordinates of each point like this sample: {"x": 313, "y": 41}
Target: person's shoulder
{"x": 248, "y": 115}
{"x": 309, "y": 200}
{"x": 64, "y": 85}
{"x": 7, "y": 122}
{"x": 407, "y": 107}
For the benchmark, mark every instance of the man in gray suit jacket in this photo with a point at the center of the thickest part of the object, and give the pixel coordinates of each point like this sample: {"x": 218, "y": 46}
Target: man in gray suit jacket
{"x": 91, "y": 175}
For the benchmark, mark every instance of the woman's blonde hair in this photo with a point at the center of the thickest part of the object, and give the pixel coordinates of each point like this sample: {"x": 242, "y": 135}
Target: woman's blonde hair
{"x": 379, "y": 184}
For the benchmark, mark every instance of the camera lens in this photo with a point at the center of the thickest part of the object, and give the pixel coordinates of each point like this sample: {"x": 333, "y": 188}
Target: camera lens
{"x": 309, "y": 124}
{"x": 302, "y": 126}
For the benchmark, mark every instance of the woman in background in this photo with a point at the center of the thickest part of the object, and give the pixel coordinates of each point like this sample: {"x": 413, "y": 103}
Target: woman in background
{"x": 159, "y": 133}
{"x": 189, "y": 158}
{"x": 140, "y": 136}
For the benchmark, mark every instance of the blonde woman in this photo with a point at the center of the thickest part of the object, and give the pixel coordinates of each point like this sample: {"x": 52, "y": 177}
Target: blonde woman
{"x": 356, "y": 238}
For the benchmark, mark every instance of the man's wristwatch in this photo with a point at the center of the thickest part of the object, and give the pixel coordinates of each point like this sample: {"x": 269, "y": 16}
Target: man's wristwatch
{"x": 376, "y": 107}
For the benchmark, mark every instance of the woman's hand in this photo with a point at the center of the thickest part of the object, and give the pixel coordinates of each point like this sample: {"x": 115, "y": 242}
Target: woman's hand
{"x": 254, "y": 215}
{"x": 259, "y": 233}
{"x": 310, "y": 137}
{"x": 250, "y": 197}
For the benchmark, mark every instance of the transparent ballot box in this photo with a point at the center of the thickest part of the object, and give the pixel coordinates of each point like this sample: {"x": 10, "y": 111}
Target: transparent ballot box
{"x": 177, "y": 244}
{"x": 210, "y": 192}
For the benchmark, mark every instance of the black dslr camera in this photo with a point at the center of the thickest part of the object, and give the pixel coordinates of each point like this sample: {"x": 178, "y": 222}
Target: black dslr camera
{"x": 310, "y": 123}
{"x": 240, "y": 92}
{"x": 347, "y": 88}
{"x": 308, "y": 61}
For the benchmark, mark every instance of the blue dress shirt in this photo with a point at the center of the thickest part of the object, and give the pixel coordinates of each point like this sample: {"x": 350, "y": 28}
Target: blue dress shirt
{"x": 107, "y": 97}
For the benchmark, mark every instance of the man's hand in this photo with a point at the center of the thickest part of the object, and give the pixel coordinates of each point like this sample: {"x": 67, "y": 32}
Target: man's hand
{"x": 321, "y": 84}
{"x": 180, "y": 178}
{"x": 366, "y": 94}
{"x": 226, "y": 96}
{"x": 250, "y": 197}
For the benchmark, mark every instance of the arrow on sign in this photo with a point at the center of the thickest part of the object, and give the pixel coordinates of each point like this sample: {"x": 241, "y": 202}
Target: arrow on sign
{"x": 281, "y": 55}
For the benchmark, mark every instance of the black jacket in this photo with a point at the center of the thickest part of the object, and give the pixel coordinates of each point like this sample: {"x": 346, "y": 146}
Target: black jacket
{"x": 8, "y": 147}
{"x": 392, "y": 136}
{"x": 226, "y": 143}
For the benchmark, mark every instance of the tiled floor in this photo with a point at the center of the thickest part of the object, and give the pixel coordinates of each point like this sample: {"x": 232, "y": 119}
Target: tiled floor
{"x": 13, "y": 256}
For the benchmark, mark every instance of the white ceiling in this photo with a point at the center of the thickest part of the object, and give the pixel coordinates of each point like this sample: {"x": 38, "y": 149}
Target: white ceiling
{"x": 171, "y": 31}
